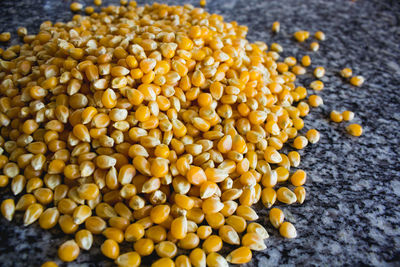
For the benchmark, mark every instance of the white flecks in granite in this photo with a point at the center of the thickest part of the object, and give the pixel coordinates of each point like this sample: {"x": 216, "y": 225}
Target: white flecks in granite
{"x": 352, "y": 214}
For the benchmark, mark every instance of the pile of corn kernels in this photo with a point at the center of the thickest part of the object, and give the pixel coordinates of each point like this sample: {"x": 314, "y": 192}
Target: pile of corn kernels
{"x": 158, "y": 126}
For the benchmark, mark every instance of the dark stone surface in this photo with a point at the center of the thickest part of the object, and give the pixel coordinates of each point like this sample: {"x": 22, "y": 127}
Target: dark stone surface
{"x": 352, "y": 214}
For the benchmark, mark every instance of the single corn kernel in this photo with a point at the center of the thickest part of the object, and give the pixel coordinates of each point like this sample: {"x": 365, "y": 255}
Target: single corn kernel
{"x": 32, "y": 213}
{"x": 216, "y": 260}
{"x": 75, "y": 7}
{"x": 253, "y": 241}
{"x": 357, "y": 80}
{"x": 346, "y": 73}
{"x": 354, "y": 129}
{"x": 276, "y": 217}
{"x": 49, "y": 264}
{"x": 84, "y": 239}
{"x": 8, "y": 208}
{"x": 313, "y": 136}
{"x": 275, "y": 27}
{"x": 319, "y": 35}
{"x": 257, "y": 229}
{"x": 68, "y": 251}
{"x": 315, "y": 101}
{"x": 300, "y": 142}
{"x": 319, "y": 72}
{"x": 300, "y": 194}
{"x": 240, "y": 256}
{"x": 5, "y": 36}
{"x": 314, "y": 46}
{"x": 287, "y": 230}
{"x": 306, "y": 61}
{"x": 317, "y": 85}
{"x": 298, "y": 178}
{"x": 110, "y": 249}
{"x": 348, "y": 115}
{"x": 336, "y": 116}
{"x": 285, "y": 195}
{"x": 129, "y": 259}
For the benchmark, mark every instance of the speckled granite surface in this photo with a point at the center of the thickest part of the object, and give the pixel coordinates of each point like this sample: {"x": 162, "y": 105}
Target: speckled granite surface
{"x": 352, "y": 212}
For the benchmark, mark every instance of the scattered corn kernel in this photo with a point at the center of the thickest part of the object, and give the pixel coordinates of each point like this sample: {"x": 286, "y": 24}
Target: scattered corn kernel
{"x": 357, "y": 80}
{"x": 317, "y": 85}
{"x": 301, "y": 36}
{"x": 348, "y": 115}
{"x": 75, "y": 7}
{"x": 315, "y": 101}
{"x": 319, "y": 36}
{"x": 314, "y": 46}
{"x": 313, "y": 136}
{"x": 276, "y": 27}
{"x": 354, "y": 129}
{"x": 319, "y": 72}
{"x": 336, "y": 116}
{"x": 5, "y": 36}
{"x": 346, "y": 73}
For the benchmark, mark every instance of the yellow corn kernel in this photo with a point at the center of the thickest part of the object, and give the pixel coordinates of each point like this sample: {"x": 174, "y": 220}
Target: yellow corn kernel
{"x": 319, "y": 72}
{"x": 354, "y": 129}
{"x": 257, "y": 229}
{"x": 285, "y": 195}
{"x": 336, "y": 116}
{"x": 301, "y": 36}
{"x": 319, "y": 35}
{"x": 287, "y": 230}
{"x": 166, "y": 249}
{"x": 110, "y": 249}
{"x": 346, "y": 73}
{"x": 275, "y": 27}
{"x": 49, "y": 218}
{"x": 348, "y": 115}
{"x": 8, "y": 208}
{"x": 134, "y": 232}
{"x": 314, "y": 46}
{"x": 253, "y": 241}
{"x": 300, "y": 142}
{"x": 129, "y": 259}
{"x": 49, "y": 264}
{"x": 317, "y": 85}
{"x": 68, "y": 251}
{"x": 84, "y": 239}
{"x": 144, "y": 246}
{"x": 240, "y": 256}
{"x": 300, "y": 194}
{"x": 315, "y": 101}
{"x": 167, "y": 262}
{"x": 276, "y": 217}
{"x": 197, "y": 257}
{"x": 306, "y": 61}
{"x": 5, "y": 36}
{"x": 313, "y": 136}
{"x": 32, "y": 213}
{"x": 357, "y": 80}
{"x": 75, "y": 7}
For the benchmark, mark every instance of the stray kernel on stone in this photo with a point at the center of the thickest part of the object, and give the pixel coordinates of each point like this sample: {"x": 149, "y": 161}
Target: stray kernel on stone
{"x": 155, "y": 130}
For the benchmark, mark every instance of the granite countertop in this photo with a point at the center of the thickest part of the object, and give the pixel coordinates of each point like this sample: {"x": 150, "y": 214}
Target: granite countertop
{"x": 352, "y": 214}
